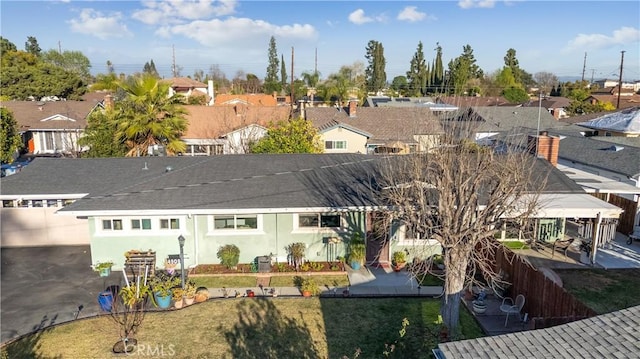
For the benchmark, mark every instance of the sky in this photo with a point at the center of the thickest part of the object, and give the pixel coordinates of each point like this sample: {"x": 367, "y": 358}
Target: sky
{"x": 566, "y": 38}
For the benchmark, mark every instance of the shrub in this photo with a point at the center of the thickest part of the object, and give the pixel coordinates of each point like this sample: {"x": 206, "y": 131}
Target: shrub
{"x": 296, "y": 254}
{"x": 229, "y": 255}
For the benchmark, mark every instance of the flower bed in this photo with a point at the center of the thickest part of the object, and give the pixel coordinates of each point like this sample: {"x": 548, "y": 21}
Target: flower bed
{"x": 247, "y": 268}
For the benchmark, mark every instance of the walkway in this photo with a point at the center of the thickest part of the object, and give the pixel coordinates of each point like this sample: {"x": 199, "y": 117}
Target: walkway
{"x": 365, "y": 282}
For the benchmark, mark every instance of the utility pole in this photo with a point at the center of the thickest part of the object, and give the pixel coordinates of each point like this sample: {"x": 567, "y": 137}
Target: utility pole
{"x": 620, "y": 79}
{"x": 59, "y": 47}
{"x": 292, "y": 101}
{"x": 173, "y": 61}
{"x": 315, "y": 69}
{"x": 584, "y": 66}
{"x": 593, "y": 71}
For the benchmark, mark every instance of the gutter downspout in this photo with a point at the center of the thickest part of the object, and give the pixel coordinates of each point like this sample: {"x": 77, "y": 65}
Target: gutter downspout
{"x": 196, "y": 240}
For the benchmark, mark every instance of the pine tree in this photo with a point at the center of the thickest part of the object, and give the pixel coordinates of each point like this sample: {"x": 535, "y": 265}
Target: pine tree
{"x": 32, "y": 47}
{"x": 417, "y": 76}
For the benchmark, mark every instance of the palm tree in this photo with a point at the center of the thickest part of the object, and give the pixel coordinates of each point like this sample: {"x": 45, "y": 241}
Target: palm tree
{"x": 148, "y": 116}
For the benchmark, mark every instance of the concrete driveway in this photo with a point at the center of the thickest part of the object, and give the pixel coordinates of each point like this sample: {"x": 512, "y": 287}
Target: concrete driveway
{"x": 42, "y": 286}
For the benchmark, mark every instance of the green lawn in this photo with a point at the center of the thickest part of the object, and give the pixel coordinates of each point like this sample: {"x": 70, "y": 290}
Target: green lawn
{"x": 259, "y": 328}
{"x": 603, "y": 290}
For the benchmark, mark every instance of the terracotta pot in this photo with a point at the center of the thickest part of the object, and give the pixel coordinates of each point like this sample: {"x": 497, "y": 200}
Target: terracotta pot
{"x": 189, "y": 301}
{"x": 306, "y": 293}
{"x": 178, "y": 304}
{"x": 201, "y": 297}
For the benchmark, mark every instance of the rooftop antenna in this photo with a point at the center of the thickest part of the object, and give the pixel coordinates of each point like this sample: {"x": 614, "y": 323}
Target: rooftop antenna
{"x": 145, "y": 166}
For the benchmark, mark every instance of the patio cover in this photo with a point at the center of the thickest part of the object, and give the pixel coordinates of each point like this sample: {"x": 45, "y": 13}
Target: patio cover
{"x": 574, "y": 205}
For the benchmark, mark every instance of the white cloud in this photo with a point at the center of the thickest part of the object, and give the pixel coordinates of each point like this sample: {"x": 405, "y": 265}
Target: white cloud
{"x": 411, "y": 14}
{"x": 235, "y": 31}
{"x": 358, "y": 17}
{"x": 622, "y": 36}
{"x": 176, "y": 11}
{"x": 92, "y": 22}
{"x": 468, "y": 4}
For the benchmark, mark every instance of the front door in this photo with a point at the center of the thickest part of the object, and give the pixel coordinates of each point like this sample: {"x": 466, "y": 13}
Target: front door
{"x": 377, "y": 239}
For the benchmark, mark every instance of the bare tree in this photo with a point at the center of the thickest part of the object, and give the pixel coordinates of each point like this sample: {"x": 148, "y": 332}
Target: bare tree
{"x": 546, "y": 81}
{"x": 457, "y": 194}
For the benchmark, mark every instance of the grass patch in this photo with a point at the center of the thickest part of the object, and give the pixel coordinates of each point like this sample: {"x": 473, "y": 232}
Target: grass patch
{"x": 515, "y": 244}
{"x": 259, "y": 328}
{"x": 322, "y": 280}
{"x": 428, "y": 279}
{"x": 225, "y": 281}
{"x": 603, "y": 290}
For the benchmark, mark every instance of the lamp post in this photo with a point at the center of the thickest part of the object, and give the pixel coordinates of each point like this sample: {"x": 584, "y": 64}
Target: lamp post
{"x": 181, "y": 241}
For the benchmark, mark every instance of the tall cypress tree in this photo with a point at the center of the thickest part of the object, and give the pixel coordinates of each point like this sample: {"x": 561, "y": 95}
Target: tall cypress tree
{"x": 271, "y": 81}
{"x": 375, "y": 74}
{"x": 438, "y": 69}
{"x": 283, "y": 73}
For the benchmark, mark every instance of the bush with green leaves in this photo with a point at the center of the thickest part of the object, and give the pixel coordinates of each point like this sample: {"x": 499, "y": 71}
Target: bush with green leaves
{"x": 229, "y": 255}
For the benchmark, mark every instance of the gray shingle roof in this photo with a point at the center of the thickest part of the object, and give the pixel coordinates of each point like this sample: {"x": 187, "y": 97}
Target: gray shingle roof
{"x": 219, "y": 182}
{"x": 505, "y": 119}
{"x": 596, "y": 152}
{"x": 335, "y": 181}
{"x": 612, "y": 335}
{"x": 385, "y": 124}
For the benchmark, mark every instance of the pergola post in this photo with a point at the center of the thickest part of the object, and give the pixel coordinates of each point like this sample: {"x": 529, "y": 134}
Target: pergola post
{"x": 594, "y": 239}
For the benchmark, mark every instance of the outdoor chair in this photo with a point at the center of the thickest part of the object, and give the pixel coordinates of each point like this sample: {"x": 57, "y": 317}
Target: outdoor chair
{"x": 508, "y": 306}
{"x": 563, "y": 245}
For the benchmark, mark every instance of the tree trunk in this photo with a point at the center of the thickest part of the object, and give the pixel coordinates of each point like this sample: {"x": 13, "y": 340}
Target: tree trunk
{"x": 455, "y": 260}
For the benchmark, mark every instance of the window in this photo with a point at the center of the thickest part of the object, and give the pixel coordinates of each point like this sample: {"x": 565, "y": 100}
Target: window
{"x": 239, "y": 222}
{"x": 8, "y": 203}
{"x": 335, "y": 145}
{"x": 112, "y": 224}
{"x": 144, "y": 223}
{"x": 317, "y": 220}
{"x": 36, "y": 203}
{"x": 52, "y": 203}
{"x": 169, "y": 223}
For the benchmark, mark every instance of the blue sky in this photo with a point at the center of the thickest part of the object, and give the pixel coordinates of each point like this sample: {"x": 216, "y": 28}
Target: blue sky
{"x": 550, "y": 36}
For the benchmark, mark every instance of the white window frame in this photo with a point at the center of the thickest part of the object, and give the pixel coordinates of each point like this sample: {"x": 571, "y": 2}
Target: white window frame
{"x": 235, "y": 230}
{"x": 319, "y": 229}
{"x": 402, "y": 239}
{"x": 141, "y": 220}
{"x": 169, "y": 222}
{"x": 112, "y": 227}
{"x": 334, "y": 146}
{"x": 129, "y": 231}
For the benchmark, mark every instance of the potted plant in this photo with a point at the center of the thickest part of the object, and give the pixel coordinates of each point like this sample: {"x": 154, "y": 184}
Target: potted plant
{"x": 190, "y": 292}
{"x": 229, "y": 255}
{"x": 178, "y": 297}
{"x": 202, "y": 294}
{"x": 309, "y": 287}
{"x": 162, "y": 285}
{"x": 357, "y": 251}
{"x": 103, "y": 268}
{"x": 479, "y": 305}
{"x": 399, "y": 260}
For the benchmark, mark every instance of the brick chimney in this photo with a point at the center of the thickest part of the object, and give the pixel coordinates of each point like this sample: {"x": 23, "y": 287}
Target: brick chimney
{"x": 108, "y": 102}
{"x": 547, "y": 146}
{"x": 353, "y": 105}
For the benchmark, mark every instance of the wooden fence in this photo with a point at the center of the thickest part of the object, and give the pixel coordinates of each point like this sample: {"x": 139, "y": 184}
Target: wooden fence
{"x": 627, "y": 217}
{"x": 544, "y": 298}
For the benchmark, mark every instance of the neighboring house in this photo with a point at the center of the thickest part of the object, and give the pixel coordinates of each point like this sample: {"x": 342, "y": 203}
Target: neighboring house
{"x": 217, "y": 130}
{"x": 256, "y": 99}
{"x": 611, "y": 335}
{"x": 624, "y": 123}
{"x": 340, "y": 137}
{"x": 261, "y": 203}
{"x": 555, "y": 105}
{"x": 474, "y": 101}
{"x": 386, "y": 129}
{"x": 191, "y": 88}
{"x": 386, "y": 101}
{"x": 626, "y": 101}
{"x": 51, "y": 128}
{"x": 492, "y": 121}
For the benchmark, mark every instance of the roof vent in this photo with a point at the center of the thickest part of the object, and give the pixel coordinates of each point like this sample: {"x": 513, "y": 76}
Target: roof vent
{"x": 168, "y": 169}
{"x": 145, "y": 167}
{"x": 615, "y": 148}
